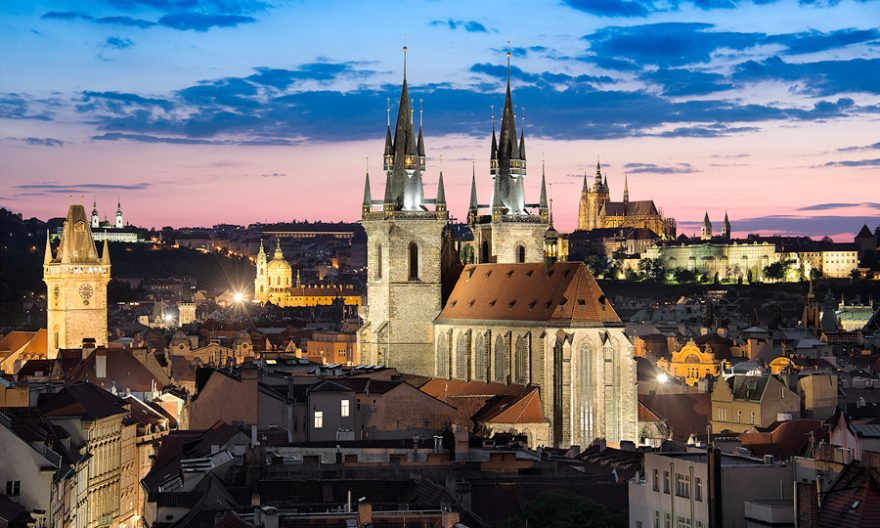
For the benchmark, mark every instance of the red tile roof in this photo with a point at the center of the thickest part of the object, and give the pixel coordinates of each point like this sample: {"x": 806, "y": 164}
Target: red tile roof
{"x": 567, "y": 292}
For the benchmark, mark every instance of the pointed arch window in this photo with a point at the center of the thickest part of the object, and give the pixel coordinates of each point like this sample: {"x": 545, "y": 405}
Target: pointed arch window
{"x": 520, "y": 254}
{"x": 413, "y": 261}
{"x": 500, "y": 360}
{"x": 481, "y": 359}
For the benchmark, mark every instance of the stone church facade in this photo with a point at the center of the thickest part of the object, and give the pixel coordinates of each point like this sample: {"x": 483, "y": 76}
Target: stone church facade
{"x": 515, "y": 317}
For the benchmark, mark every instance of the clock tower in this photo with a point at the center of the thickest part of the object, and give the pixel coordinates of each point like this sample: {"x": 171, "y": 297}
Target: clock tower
{"x": 76, "y": 279}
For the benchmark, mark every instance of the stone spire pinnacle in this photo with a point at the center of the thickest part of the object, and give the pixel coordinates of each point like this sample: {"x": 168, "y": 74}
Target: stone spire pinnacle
{"x": 47, "y": 257}
{"x": 542, "y": 204}
{"x": 474, "y": 204}
{"x": 105, "y": 251}
{"x": 441, "y": 193}
{"x": 597, "y": 186}
{"x": 585, "y": 188}
{"x": 494, "y": 154}
{"x": 522, "y": 136}
{"x": 625, "y": 188}
{"x": 368, "y": 198}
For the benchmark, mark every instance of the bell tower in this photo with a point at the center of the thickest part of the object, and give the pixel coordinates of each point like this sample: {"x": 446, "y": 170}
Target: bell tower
{"x": 404, "y": 253}
{"x": 76, "y": 279}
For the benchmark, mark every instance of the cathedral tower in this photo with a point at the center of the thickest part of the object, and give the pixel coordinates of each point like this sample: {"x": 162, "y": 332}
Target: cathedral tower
{"x": 404, "y": 253}
{"x": 76, "y": 279}
{"x": 514, "y": 230}
{"x": 706, "y": 228}
{"x": 725, "y": 228}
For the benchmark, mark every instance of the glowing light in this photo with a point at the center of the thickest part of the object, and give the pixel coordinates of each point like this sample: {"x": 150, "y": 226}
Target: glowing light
{"x": 168, "y": 318}
{"x": 662, "y": 378}
{"x": 238, "y": 297}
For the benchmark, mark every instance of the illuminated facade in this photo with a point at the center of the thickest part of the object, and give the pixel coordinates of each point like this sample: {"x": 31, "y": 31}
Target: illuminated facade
{"x": 274, "y": 284}
{"x": 597, "y": 211}
{"x": 691, "y": 364}
{"x": 76, "y": 279}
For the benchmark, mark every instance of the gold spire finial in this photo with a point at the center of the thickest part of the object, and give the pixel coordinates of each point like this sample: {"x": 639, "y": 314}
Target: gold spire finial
{"x": 508, "y": 63}
{"x": 404, "y": 56}
{"x": 388, "y": 110}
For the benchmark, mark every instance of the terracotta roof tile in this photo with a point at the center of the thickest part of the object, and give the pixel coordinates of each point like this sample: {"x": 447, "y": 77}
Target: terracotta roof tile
{"x": 567, "y": 292}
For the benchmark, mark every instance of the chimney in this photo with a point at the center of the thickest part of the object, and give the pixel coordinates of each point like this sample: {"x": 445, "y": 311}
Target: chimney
{"x": 101, "y": 364}
{"x": 716, "y": 515}
{"x": 449, "y": 519}
{"x": 365, "y": 513}
{"x": 462, "y": 444}
{"x": 806, "y": 505}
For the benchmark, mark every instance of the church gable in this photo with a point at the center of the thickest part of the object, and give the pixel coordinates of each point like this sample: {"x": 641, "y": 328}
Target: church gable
{"x": 566, "y": 292}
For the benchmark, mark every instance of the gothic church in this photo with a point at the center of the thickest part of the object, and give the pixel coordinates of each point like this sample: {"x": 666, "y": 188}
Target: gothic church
{"x": 515, "y": 317}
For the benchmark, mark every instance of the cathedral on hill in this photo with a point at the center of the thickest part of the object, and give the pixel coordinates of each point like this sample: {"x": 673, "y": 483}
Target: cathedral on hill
{"x": 515, "y": 318}
{"x": 597, "y": 211}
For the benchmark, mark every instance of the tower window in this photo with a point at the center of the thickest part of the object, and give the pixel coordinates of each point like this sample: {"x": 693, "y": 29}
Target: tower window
{"x": 413, "y": 261}
{"x": 484, "y": 252}
{"x": 379, "y": 261}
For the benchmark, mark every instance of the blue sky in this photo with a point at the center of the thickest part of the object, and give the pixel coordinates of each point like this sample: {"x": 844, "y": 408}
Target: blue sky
{"x": 209, "y": 111}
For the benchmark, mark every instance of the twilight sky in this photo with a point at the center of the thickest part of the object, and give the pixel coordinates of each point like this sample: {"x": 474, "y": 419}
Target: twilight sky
{"x": 197, "y": 112}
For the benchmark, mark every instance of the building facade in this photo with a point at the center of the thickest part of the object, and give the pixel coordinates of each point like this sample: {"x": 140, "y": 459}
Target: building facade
{"x": 76, "y": 279}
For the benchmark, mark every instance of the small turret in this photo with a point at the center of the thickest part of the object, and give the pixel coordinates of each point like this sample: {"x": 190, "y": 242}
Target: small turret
{"x": 493, "y": 155}
{"x": 96, "y": 220}
{"x": 725, "y": 228}
{"x": 473, "y": 207}
{"x": 368, "y": 199}
{"x": 47, "y": 256}
{"x": 105, "y": 251}
{"x": 625, "y": 189}
{"x": 441, "y": 195}
{"x": 389, "y": 144}
{"x": 522, "y": 138}
{"x": 497, "y": 204}
{"x": 119, "y": 222}
{"x": 543, "y": 209}
{"x": 420, "y": 146}
{"x": 551, "y": 244}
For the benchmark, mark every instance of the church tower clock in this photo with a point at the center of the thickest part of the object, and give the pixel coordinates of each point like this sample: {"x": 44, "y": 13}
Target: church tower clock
{"x": 76, "y": 281}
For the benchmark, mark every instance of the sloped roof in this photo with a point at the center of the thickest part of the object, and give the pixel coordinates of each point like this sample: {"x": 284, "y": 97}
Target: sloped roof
{"x": 640, "y": 207}
{"x": 784, "y": 439}
{"x": 853, "y": 500}
{"x": 123, "y": 369}
{"x": 83, "y": 400}
{"x": 748, "y": 387}
{"x": 525, "y": 409}
{"x": 15, "y": 339}
{"x": 686, "y": 413}
{"x": 564, "y": 293}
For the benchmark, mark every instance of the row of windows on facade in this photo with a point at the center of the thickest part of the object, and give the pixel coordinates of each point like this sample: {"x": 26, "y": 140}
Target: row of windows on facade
{"x": 344, "y": 412}
{"x": 722, "y": 416}
{"x": 681, "y": 522}
{"x": 499, "y": 361}
{"x": 413, "y": 260}
{"x": 682, "y": 485}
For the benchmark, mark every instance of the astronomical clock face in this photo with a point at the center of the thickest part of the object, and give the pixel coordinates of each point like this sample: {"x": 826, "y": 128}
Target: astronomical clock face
{"x": 86, "y": 291}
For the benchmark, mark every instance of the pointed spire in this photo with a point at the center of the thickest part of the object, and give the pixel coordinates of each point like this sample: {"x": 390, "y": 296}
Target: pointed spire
{"x": 507, "y": 146}
{"x": 522, "y": 136}
{"x": 625, "y": 188}
{"x": 47, "y": 257}
{"x": 474, "y": 204}
{"x": 585, "y": 188}
{"x": 368, "y": 198}
{"x": 441, "y": 193}
{"x": 262, "y": 251}
{"x": 542, "y": 204}
{"x": 105, "y": 252}
{"x": 389, "y": 146}
{"x": 598, "y": 184}
{"x": 420, "y": 146}
{"x": 278, "y": 254}
{"x": 494, "y": 153}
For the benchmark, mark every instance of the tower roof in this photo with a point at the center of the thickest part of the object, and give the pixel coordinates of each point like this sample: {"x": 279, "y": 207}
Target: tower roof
{"x": 474, "y": 204}
{"x": 368, "y": 199}
{"x": 494, "y": 152}
{"x": 441, "y": 192}
{"x": 543, "y": 202}
{"x": 507, "y": 146}
{"x": 77, "y": 245}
